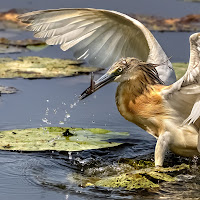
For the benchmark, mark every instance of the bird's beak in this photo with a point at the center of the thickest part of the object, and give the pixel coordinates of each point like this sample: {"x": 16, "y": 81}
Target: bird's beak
{"x": 95, "y": 85}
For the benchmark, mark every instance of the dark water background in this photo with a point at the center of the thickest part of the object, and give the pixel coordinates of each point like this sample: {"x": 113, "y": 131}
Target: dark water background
{"x": 38, "y": 176}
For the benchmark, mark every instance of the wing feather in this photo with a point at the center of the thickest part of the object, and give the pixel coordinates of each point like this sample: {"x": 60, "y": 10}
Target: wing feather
{"x": 82, "y": 29}
{"x": 186, "y": 91}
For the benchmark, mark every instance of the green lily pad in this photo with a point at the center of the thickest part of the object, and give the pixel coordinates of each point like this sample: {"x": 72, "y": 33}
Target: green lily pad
{"x": 180, "y": 69}
{"x": 128, "y": 174}
{"x": 58, "y": 139}
{"x": 37, "y": 67}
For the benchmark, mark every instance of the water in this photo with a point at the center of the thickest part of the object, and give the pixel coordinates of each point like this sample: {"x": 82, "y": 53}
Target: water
{"x": 54, "y": 102}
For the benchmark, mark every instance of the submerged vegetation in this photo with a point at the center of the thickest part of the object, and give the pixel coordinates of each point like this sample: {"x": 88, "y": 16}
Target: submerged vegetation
{"x": 129, "y": 174}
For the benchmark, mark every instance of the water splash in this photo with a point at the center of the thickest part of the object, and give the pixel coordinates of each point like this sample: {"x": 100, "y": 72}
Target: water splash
{"x": 74, "y": 104}
{"x": 70, "y": 155}
{"x": 45, "y": 120}
{"x": 47, "y": 111}
{"x": 67, "y": 115}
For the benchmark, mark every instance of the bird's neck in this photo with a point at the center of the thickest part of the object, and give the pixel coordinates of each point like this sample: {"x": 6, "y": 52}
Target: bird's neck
{"x": 139, "y": 99}
{"x": 138, "y": 85}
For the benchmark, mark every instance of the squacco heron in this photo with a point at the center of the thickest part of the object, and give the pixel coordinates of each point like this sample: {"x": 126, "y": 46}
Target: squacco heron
{"x": 169, "y": 112}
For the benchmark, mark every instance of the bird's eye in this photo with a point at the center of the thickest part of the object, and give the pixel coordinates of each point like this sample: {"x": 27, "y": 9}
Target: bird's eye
{"x": 119, "y": 70}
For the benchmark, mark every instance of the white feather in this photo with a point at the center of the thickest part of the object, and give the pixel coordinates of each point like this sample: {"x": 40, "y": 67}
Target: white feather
{"x": 58, "y": 26}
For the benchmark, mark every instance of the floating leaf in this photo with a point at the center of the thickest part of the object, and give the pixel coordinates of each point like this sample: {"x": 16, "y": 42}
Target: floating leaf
{"x": 18, "y": 46}
{"x": 11, "y": 49}
{"x": 58, "y": 139}
{"x": 37, "y": 67}
{"x": 7, "y": 90}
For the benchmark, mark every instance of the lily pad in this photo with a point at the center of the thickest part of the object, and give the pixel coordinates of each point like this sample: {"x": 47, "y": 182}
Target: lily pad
{"x": 7, "y": 90}
{"x": 18, "y": 46}
{"x": 58, "y": 139}
{"x": 37, "y": 67}
{"x": 180, "y": 69}
{"x": 129, "y": 176}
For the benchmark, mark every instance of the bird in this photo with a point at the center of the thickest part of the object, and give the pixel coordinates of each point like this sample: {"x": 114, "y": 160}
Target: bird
{"x": 170, "y": 113}
{"x": 148, "y": 94}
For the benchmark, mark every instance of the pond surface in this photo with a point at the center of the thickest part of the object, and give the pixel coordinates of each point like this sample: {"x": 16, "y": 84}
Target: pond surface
{"x": 45, "y": 102}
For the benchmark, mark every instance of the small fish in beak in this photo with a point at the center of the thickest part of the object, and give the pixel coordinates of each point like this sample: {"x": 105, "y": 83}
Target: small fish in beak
{"x": 95, "y": 85}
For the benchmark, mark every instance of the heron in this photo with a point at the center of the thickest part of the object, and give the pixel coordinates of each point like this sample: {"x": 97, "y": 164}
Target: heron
{"x": 148, "y": 93}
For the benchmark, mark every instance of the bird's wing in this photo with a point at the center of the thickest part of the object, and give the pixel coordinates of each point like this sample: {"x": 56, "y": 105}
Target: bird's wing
{"x": 101, "y": 36}
{"x": 184, "y": 95}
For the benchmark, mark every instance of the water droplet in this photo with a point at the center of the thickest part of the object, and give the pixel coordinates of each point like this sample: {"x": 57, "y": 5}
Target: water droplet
{"x": 93, "y": 121}
{"x": 47, "y": 100}
{"x": 47, "y": 111}
{"x": 60, "y": 122}
{"x": 70, "y": 155}
{"x": 45, "y": 120}
{"x": 67, "y": 115}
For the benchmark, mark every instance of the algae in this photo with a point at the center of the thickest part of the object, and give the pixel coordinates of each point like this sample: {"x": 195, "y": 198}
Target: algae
{"x": 129, "y": 174}
{"x": 54, "y": 138}
{"x": 127, "y": 181}
{"x": 37, "y": 67}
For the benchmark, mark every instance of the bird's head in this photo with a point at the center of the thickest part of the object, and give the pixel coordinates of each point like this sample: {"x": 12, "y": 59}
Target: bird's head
{"x": 123, "y": 70}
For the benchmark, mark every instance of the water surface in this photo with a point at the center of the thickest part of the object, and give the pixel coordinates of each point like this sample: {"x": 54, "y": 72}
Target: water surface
{"x": 45, "y": 102}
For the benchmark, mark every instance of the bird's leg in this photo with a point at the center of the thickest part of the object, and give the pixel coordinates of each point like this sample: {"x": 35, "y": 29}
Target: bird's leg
{"x": 162, "y": 146}
{"x": 198, "y": 144}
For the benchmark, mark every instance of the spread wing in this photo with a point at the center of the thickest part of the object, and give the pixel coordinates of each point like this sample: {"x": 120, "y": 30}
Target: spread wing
{"x": 100, "y": 36}
{"x": 184, "y": 94}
